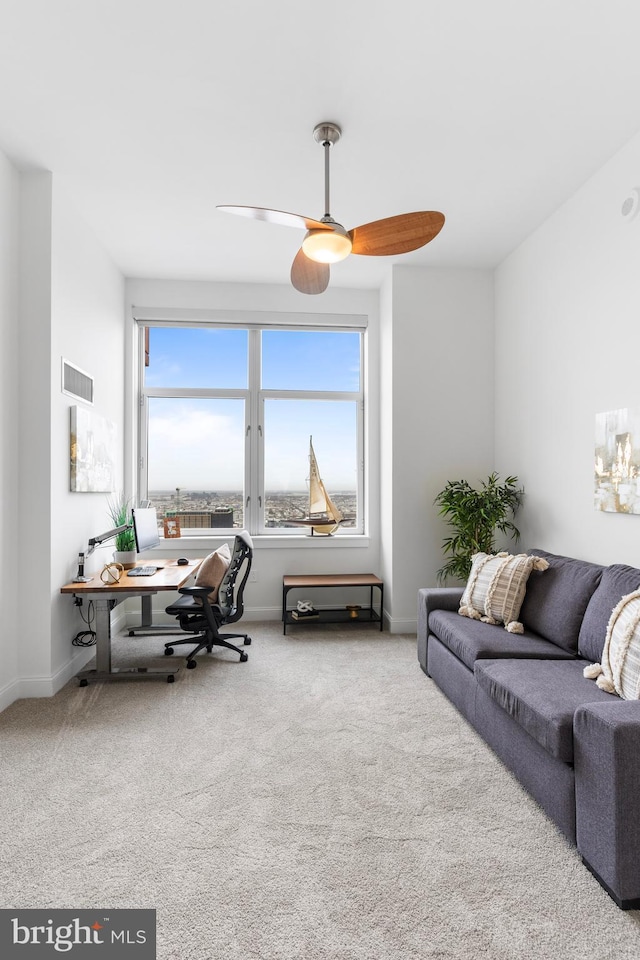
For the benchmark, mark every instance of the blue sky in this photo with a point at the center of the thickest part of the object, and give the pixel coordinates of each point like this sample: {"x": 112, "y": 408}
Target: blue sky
{"x": 199, "y": 443}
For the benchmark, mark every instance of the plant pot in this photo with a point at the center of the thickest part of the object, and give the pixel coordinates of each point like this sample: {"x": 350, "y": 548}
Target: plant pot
{"x": 126, "y": 557}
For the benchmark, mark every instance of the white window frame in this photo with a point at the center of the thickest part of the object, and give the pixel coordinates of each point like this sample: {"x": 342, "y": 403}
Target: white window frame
{"x": 254, "y": 397}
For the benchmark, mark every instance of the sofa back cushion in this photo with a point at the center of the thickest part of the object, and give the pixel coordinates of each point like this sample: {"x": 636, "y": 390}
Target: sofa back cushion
{"x": 617, "y": 581}
{"x": 556, "y": 600}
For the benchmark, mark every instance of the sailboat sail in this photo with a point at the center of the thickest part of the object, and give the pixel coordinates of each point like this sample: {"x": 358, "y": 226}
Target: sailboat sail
{"x": 324, "y": 516}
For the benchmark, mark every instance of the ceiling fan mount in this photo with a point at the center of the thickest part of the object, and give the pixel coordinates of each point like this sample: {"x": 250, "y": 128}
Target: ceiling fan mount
{"x": 327, "y": 241}
{"x": 327, "y": 132}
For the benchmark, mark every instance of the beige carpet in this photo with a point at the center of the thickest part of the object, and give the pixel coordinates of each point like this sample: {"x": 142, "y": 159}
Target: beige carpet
{"x": 322, "y": 800}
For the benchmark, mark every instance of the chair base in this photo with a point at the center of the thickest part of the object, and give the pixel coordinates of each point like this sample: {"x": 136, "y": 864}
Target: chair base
{"x": 209, "y": 643}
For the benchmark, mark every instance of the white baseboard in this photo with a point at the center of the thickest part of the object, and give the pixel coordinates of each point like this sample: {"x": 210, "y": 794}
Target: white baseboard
{"x": 9, "y": 694}
{"x": 396, "y": 625}
{"x": 26, "y": 687}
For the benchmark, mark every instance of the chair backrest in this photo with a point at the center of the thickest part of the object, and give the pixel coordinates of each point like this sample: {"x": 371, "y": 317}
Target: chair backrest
{"x": 231, "y": 590}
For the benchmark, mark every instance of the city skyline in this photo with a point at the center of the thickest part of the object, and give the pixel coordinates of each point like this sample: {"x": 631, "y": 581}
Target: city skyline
{"x": 281, "y": 508}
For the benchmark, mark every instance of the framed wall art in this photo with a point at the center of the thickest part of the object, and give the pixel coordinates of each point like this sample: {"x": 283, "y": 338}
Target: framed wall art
{"x": 92, "y": 451}
{"x": 617, "y": 461}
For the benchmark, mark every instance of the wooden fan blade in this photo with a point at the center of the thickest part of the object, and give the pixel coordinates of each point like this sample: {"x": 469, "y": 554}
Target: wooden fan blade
{"x": 384, "y": 238}
{"x": 307, "y": 276}
{"x": 280, "y": 217}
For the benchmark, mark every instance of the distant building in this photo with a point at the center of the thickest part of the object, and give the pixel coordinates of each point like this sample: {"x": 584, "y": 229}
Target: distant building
{"x": 220, "y": 517}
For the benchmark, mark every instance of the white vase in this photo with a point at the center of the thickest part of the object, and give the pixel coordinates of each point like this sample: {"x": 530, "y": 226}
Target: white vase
{"x": 126, "y": 557}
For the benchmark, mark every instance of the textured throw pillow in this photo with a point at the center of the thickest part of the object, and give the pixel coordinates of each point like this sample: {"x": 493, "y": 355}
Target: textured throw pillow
{"x": 619, "y": 670}
{"x": 212, "y": 570}
{"x": 496, "y": 588}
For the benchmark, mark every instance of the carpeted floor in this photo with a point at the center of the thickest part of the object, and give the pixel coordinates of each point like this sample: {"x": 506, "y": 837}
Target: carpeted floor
{"x": 322, "y": 800}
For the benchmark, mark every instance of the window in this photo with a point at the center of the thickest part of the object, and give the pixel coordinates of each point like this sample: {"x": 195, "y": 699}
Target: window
{"x": 227, "y": 414}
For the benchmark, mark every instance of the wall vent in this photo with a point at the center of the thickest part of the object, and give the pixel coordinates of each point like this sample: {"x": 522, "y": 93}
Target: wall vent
{"x": 76, "y": 383}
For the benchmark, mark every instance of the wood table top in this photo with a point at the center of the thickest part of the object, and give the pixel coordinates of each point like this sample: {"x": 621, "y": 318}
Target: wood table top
{"x": 332, "y": 580}
{"x": 169, "y": 576}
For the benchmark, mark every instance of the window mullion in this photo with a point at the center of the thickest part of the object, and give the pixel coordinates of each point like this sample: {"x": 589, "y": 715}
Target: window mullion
{"x": 254, "y": 447}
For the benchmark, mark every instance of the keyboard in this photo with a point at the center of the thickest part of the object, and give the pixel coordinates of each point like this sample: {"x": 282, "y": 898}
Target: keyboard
{"x": 142, "y": 571}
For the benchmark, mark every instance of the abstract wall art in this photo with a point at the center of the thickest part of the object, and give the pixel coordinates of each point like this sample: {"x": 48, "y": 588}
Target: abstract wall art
{"x": 92, "y": 452}
{"x": 617, "y": 461}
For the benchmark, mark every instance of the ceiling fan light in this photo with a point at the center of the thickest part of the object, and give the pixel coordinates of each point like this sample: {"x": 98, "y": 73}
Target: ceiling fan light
{"x": 326, "y": 246}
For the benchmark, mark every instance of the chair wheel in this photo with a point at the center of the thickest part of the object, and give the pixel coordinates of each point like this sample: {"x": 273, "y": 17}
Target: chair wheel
{"x": 168, "y": 651}
{"x": 83, "y": 682}
{"x": 247, "y": 641}
{"x": 191, "y": 664}
{"x": 243, "y": 657}
{"x": 171, "y": 678}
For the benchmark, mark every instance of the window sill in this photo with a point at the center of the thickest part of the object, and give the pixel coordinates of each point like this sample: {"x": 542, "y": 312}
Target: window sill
{"x": 210, "y": 541}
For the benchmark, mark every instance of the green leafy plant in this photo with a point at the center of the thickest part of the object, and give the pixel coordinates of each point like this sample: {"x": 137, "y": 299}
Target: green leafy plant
{"x": 119, "y": 508}
{"x": 476, "y": 515}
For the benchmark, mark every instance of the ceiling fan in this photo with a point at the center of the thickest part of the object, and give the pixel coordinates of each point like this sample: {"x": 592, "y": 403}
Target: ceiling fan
{"x": 328, "y": 242}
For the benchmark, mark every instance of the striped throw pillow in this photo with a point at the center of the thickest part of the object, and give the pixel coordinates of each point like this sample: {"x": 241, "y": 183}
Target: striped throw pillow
{"x": 496, "y": 588}
{"x": 619, "y": 669}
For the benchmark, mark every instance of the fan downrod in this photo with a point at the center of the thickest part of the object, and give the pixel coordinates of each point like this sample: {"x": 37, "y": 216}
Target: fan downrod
{"x": 327, "y": 132}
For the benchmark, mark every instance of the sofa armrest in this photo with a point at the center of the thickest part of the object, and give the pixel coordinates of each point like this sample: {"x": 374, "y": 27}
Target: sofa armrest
{"x": 433, "y": 598}
{"x": 607, "y": 773}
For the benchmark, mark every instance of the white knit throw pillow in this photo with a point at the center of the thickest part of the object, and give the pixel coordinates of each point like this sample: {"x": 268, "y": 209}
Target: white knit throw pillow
{"x": 496, "y": 588}
{"x": 619, "y": 670}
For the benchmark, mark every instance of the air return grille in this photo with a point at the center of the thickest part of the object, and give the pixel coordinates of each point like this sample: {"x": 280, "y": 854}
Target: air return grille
{"x": 76, "y": 383}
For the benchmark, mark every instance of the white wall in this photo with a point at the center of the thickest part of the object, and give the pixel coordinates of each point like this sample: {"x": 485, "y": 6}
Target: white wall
{"x": 34, "y": 391}
{"x": 437, "y": 373}
{"x": 567, "y": 347}
{"x": 9, "y": 327}
{"x": 59, "y": 296}
{"x": 87, "y": 328}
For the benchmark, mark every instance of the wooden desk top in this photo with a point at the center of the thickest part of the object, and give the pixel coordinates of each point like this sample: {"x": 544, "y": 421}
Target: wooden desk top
{"x": 332, "y": 580}
{"x": 170, "y": 576}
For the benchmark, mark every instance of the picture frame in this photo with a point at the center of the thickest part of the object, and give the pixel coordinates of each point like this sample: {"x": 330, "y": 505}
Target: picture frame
{"x": 92, "y": 451}
{"x": 617, "y": 461}
{"x": 171, "y": 527}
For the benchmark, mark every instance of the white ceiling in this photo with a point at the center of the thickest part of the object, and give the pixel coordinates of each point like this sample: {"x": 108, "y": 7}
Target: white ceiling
{"x": 151, "y": 112}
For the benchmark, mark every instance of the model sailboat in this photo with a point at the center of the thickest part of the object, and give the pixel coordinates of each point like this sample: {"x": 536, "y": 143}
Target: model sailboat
{"x": 323, "y": 517}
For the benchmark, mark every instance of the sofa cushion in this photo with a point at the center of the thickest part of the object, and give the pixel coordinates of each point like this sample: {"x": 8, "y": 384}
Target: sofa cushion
{"x": 496, "y": 587}
{"x": 556, "y": 600}
{"x": 617, "y": 581}
{"x": 542, "y": 696}
{"x": 472, "y": 639}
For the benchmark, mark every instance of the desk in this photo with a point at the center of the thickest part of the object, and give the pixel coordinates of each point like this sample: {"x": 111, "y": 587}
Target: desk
{"x": 170, "y": 576}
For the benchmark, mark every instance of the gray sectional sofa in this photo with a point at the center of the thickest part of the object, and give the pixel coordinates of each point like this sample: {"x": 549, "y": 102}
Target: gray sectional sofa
{"x": 575, "y": 748}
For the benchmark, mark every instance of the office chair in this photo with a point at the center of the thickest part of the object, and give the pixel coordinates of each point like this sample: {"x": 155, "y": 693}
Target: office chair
{"x": 206, "y": 618}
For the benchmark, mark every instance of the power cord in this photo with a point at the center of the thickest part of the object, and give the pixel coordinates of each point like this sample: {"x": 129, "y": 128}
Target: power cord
{"x": 86, "y": 638}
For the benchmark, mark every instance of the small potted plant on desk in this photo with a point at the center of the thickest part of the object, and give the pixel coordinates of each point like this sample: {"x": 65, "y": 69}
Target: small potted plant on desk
{"x": 120, "y": 513}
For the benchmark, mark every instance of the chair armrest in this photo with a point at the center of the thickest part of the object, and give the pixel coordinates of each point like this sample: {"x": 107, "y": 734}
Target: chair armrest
{"x": 429, "y": 599}
{"x": 607, "y": 772}
{"x": 195, "y": 591}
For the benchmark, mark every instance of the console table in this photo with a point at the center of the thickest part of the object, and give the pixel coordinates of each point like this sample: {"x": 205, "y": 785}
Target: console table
{"x": 366, "y": 614}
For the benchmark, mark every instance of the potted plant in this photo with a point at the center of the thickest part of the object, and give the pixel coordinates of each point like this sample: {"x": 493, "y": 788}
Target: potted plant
{"x": 476, "y": 515}
{"x": 120, "y": 512}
